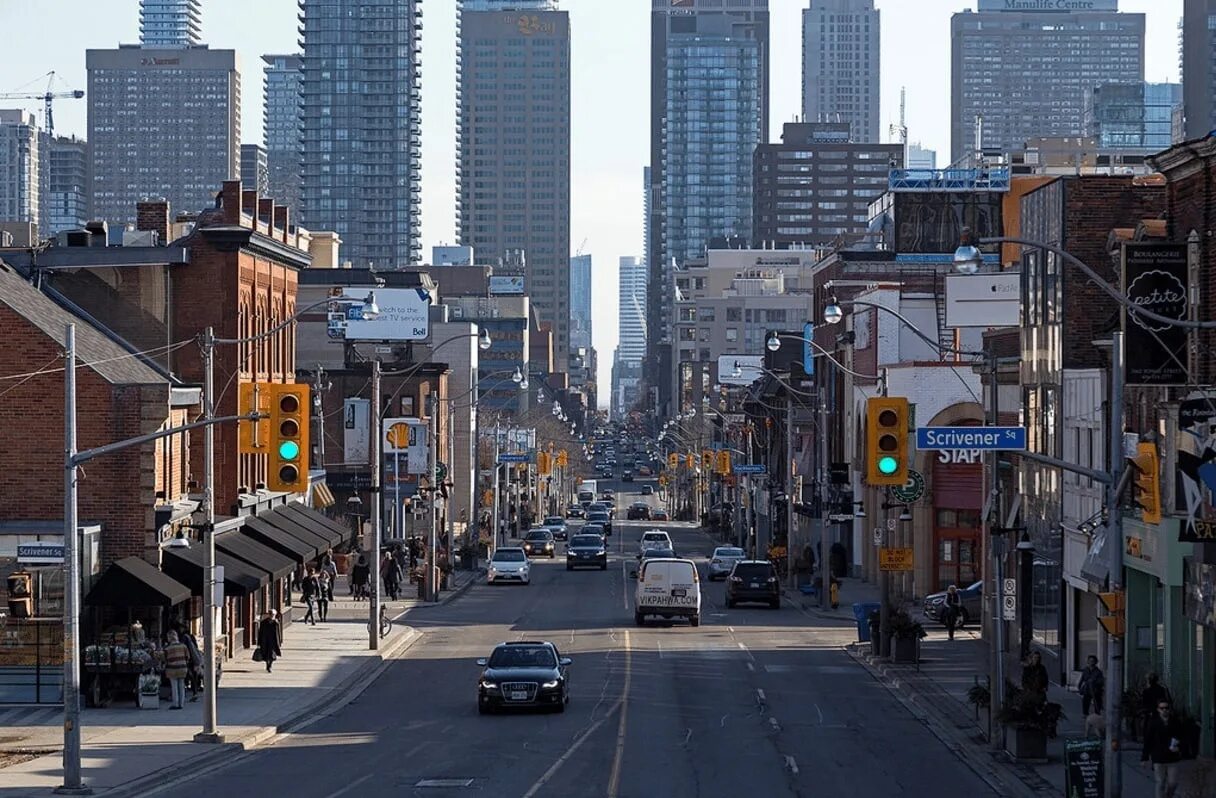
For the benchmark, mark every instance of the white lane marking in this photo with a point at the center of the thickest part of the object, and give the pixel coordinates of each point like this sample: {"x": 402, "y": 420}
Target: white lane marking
{"x": 760, "y": 697}
{"x": 819, "y": 712}
{"x": 791, "y": 764}
{"x": 350, "y": 786}
{"x": 722, "y": 724}
{"x": 687, "y": 737}
{"x": 582, "y": 738}
{"x": 750, "y": 667}
{"x": 773, "y": 722}
{"x": 614, "y": 780}
{"x": 743, "y": 648}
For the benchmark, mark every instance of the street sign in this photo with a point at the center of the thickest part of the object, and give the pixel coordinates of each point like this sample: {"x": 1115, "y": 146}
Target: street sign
{"x": 751, "y": 468}
{"x": 507, "y": 457}
{"x": 993, "y": 439}
{"x": 1011, "y": 586}
{"x": 808, "y": 350}
{"x": 913, "y": 489}
{"x": 877, "y": 536}
{"x": 1009, "y": 608}
{"x": 890, "y": 524}
{"x": 1084, "y": 771}
{"x": 895, "y": 559}
{"x": 840, "y": 518}
{"x": 40, "y": 553}
{"x": 348, "y": 481}
{"x": 735, "y": 418}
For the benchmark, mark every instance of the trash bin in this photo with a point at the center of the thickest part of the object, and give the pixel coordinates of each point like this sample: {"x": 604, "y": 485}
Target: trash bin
{"x": 861, "y": 612}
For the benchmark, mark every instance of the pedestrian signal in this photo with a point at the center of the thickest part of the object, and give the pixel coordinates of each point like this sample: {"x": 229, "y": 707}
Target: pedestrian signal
{"x": 20, "y": 595}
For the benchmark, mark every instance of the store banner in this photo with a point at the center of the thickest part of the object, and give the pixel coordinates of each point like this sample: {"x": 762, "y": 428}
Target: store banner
{"x": 1155, "y": 277}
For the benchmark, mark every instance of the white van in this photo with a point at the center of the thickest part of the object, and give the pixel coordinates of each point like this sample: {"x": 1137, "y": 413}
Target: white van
{"x": 669, "y": 588}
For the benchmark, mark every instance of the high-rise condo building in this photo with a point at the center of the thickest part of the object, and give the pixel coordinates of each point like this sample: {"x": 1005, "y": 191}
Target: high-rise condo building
{"x": 282, "y": 122}
{"x": 20, "y": 167}
{"x": 66, "y": 195}
{"x": 1199, "y": 66}
{"x": 255, "y": 173}
{"x": 580, "y": 302}
{"x": 840, "y": 65}
{"x": 170, "y": 23}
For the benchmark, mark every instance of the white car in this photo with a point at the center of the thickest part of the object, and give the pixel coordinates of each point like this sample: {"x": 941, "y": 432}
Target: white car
{"x": 509, "y": 564}
{"x": 654, "y": 539}
{"x": 723, "y": 560}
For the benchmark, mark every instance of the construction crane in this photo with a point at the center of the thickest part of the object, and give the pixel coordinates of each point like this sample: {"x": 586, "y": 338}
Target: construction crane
{"x": 901, "y": 129}
{"x": 48, "y": 97}
{"x": 580, "y": 249}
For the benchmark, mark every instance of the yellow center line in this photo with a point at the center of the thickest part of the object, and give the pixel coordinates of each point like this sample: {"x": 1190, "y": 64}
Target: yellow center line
{"x": 614, "y": 780}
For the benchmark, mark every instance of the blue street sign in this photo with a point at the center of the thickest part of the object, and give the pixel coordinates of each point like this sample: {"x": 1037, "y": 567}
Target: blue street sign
{"x": 808, "y": 351}
{"x": 750, "y": 468}
{"x": 997, "y": 439}
{"x": 40, "y": 553}
{"x": 513, "y": 458}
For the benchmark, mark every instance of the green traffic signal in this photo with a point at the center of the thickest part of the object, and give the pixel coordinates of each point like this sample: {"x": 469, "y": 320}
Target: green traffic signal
{"x": 887, "y": 465}
{"x": 289, "y": 450}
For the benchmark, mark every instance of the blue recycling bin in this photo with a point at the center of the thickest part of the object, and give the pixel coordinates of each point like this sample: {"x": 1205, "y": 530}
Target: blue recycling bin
{"x": 862, "y": 612}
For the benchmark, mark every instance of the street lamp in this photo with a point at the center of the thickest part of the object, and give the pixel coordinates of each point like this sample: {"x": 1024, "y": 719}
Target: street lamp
{"x": 833, "y": 313}
{"x": 968, "y": 258}
{"x": 773, "y": 343}
{"x": 484, "y": 342}
{"x": 517, "y": 377}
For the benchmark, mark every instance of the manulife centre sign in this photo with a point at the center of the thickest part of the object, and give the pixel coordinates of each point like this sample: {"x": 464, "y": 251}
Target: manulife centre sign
{"x": 1049, "y": 5}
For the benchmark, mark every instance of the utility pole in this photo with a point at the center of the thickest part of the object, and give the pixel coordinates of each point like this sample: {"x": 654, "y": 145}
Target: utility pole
{"x": 1114, "y": 550}
{"x": 789, "y": 488}
{"x": 432, "y": 584}
{"x": 72, "y": 783}
{"x": 209, "y": 734}
{"x": 825, "y": 588}
{"x": 495, "y": 521}
{"x": 884, "y": 577}
{"x": 996, "y": 561}
{"x": 373, "y": 606}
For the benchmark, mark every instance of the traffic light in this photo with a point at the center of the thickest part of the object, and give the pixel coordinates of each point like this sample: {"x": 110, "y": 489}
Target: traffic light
{"x": 1148, "y": 482}
{"x": 288, "y": 469}
{"x": 887, "y": 440}
{"x": 543, "y": 463}
{"x": 724, "y": 463}
{"x": 673, "y": 461}
{"x": 20, "y": 595}
{"x": 253, "y": 437}
{"x": 690, "y": 461}
{"x": 563, "y": 459}
{"x": 1113, "y": 622}
{"x": 707, "y": 460}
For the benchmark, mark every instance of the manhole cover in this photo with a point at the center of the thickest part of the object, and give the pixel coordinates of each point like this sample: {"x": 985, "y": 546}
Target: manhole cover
{"x": 445, "y": 783}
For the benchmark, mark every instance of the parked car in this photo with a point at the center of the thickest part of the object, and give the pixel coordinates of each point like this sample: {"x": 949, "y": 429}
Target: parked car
{"x": 753, "y": 581}
{"x": 586, "y": 549}
{"x": 557, "y": 525}
{"x": 539, "y": 543}
{"x": 523, "y": 674}
{"x": 723, "y": 561}
{"x": 972, "y": 605}
{"x": 627, "y": 476}
{"x": 638, "y": 511}
{"x": 509, "y": 564}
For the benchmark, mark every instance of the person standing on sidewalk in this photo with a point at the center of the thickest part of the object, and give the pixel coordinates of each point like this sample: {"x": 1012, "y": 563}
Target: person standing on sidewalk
{"x": 1034, "y": 675}
{"x": 177, "y": 665}
{"x": 952, "y": 609}
{"x": 324, "y": 593}
{"x": 1163, "y": 736}
{"x": 329, "y": 568}
{"x": 268, "y": 640}
{"x": 309, "y": 587}
{"x": 194, "y": 675}
{"x": 391, "y": 575}
{"x": 1092, "y": 686}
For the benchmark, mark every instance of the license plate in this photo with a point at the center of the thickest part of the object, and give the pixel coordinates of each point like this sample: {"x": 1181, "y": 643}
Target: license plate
{"x": 679, "y": 593}
{"x": 755, "y": 584}
{"x": 519, "y": 695}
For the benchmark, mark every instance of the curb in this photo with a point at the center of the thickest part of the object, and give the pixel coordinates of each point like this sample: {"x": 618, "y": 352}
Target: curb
{"x": 1003, "y": 783}
{"x": 349, "y": 689}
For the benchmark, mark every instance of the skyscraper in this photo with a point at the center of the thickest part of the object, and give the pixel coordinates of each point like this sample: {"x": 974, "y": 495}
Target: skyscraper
{"x": 580, "y": 302}
{"x": 362, "y": 123}
{"x": 630, "y": 354}
{"x": 164, "y": 117}
{"x": 255, "y": 173}
{"x": 513, "y": 152}
{"x": 1019, "y": 74}
{"x": 840, "y": 65}
{"x": 170, "y": 23}
{"x": 1132, "y": 116}
{"x": 66, "y": 195}
{"x": 709, "y": 107}
{"x": 1199, "y": 66}
{"x": 282, "y": 124}
{"x": 20, "y": 168}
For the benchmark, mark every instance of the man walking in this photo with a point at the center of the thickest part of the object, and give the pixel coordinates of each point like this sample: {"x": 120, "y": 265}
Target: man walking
{"x": 1163, "y": 737}
{"x": 1092, "y": 686}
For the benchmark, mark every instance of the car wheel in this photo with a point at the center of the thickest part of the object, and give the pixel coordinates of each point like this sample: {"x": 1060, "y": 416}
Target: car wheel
{"x": 560, "y": 707}
{"x": 695, "y": 620}
{"x": 638, "y": 620}
{"x": 551, "y": 556}
{"x": 569, "y": 567}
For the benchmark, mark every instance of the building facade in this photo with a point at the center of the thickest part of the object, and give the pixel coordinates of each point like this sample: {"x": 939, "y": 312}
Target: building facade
{"x": 142, "y": 98}
{"x": 513, "y": 154}
{"x": 66, "y": 195}
{"x": 255, "y": 170}
{"x": 282, "y": 122}
{"x": 1002, "y": 58}
{"x": 362, "y": 127}
{"x": 1132, "y": 116}
{"x": 840, "y": 65}
{"x": 170, "y": 23}
{"x": 709, "y": 108}
{"x": 1199, "y": 66}
{"x": 816, "y": 185}
{"x": 580, "y": 302}
{"x": 20, "y": 167}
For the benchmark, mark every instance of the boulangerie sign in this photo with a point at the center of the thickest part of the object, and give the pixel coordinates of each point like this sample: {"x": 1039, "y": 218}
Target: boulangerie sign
{"x": 1155, "y": 277}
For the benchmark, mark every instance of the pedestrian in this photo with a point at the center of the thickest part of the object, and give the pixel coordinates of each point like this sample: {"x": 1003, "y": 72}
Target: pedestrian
{"x": 325, "y": 592}
{"x": 1092, "y": 686}
{"x": 1163, "y": 736}
{"x": 1154, "y": 693}
{"x": 330, "y": 568}
{"x": 194, "y": 675}
{"x": 359, "y": 574}
{"x": 952, "y": 609}
{"x": 268, "y": 640}
{"x": 309, "y": 587}
{"x": 389, "y": 575}
{"x": 1034, "y": 675}
{"x": 177, "y": 665}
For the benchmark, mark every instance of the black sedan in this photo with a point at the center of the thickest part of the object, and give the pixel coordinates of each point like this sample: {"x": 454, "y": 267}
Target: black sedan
{"x": 600, "y": 517}
{"x": 523, "y": 674}
{"x": 539, "y": 543}
{"x": 638, "y": 511}
{"x": 586, "y": 550}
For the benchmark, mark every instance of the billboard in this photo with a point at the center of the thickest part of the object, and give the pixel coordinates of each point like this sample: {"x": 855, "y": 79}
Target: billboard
{"x": 406, "y": 436}
{"x": 1155, "y": 277}
{"x": 930, "y": 222}
{"x": 983, "y": 300}
{"x": 356, "y": 431}
{"x": 751, "y": 368}
{"x": 405, "y": 315}
{"x": 510, "y": 285}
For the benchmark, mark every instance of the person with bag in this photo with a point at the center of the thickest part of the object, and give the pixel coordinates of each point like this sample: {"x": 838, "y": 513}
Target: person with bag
{"x": 268, "y": 641}
{"x": 952, "y": 610}
{"x": 1163, "y": 742}
{"x": 1092, "y": 686}
{"x": 359, "y": 574}
{"x": 325, "y": 592}
{"x": 391, "y": 574}
{"x": 194, "y": 676}
{"x": 329, "y": 569}
{"x": 309, "y": 587}
{"x": 177, "y": 665}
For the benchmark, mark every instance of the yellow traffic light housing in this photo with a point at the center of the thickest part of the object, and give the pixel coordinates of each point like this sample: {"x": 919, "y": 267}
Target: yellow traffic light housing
{"x": 543, "y": 463}
{"x": 673, "y": 461}
{"x": 1114, "y": 622}
{"x": 887, "y": 441}
{"x": 724, "y": 463}
{"x": 1148, "y": 482}
{"x": 288, "y": 466}
{"x": 690, "y": 461}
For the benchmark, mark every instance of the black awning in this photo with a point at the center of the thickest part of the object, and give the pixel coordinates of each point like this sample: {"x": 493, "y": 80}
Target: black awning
{"x": 132, "y": 582}
{"x": 243, "y": 547}
{"x": 313, "y": 538}
{"x": 186, "y": 566}
{"x": 332, "y": 531}
{"x": 283, "y": 542}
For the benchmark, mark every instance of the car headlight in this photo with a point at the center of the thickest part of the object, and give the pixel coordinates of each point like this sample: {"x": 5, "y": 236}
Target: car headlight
{"x": 489, "y": 685}
{"x": 550, "y": 685}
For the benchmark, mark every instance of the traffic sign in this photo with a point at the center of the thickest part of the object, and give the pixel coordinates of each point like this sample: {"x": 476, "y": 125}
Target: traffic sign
{"x": 913, "y": 489}
{"x": 1009, "y": 608}
{"x": 507, "y": 457}
{"x": 40, "y": 553}
{"x": 1011, "y": 586}
{"x": 751, "y": 468}
{"x": 993, "y": 439}
{"x": 895, "y": 559}
{"x": 877, "y": 536}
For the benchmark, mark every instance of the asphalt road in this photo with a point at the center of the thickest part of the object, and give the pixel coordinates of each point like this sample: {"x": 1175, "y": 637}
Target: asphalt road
{"x": 756, "y": 702}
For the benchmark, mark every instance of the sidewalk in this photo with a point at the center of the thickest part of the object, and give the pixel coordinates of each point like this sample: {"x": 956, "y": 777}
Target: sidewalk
{"x": 936, "y": 693}
{"x": 127, "y": 750}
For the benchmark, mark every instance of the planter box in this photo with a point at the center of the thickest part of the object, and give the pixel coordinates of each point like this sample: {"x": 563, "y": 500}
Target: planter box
{"x": 903, "y": 650}
{"x": 1026, "y": 744}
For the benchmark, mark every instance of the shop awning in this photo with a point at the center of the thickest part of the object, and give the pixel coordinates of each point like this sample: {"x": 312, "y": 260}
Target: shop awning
{"x": 243, "y": 547}
{"x": 132, "y": 582}
{"x": 322, "y": 496}
{"x": 186, "y": 566}
{"x": 332, "y": 530}
{"x": 283, "y": 542}
{"x": 318, "y": 541}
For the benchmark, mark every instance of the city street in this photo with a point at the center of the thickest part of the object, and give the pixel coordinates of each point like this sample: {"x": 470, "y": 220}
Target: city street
{"x": 754, "y": 702}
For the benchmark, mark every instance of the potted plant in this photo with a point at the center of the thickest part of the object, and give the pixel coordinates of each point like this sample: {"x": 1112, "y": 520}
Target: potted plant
{"x": 1030, "y": 719}
{"x": 148, "y": 695}
{"x": 906, "y": 631}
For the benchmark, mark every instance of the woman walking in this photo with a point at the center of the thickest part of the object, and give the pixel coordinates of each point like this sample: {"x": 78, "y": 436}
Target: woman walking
{"x": 359, "y": 574}
{"x": 268, "y": 640}
{"x": 324, "y": 594}
{"x": 309, "y": 587}
{"x": 953, "y": 609}
{"x": 177, "y": 665}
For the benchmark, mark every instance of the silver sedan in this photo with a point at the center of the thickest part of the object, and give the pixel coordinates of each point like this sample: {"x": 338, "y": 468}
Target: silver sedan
{"x": 723, "y": 560}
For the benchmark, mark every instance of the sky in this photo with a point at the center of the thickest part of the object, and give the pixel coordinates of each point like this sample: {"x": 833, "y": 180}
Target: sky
{"x": 610, "y": 94}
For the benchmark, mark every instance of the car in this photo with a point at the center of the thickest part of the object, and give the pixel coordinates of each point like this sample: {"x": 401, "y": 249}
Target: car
{"x": 539, "y": 542}
{"x": 627, "y": 476}
{"x": 602, "y": 518}
{"x": 644, "y": 471}
{"x": 668, "y": 588}
{"x": 723, "y": 561}
{"x": 522, "y": 674}
{"x": 753, "y": 581}
{"x": 972, "y": 605}
{"x": 658, "y": 554}
{"x": 586, "y": 549}
{"x": 557, "y": 525}
{"x": 575, "y": 510}
{"x": 659, "y": 514}
{"x": 593, "y": 528}
{"x": 654, "y": 539}
{"x": 638, "y": 511}
{"x": 647, "y": 490}
{"x": 509, "y": 564}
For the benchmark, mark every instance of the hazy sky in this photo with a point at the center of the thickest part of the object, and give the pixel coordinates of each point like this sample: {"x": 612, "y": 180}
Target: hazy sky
{"x": 610, "y": 93}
